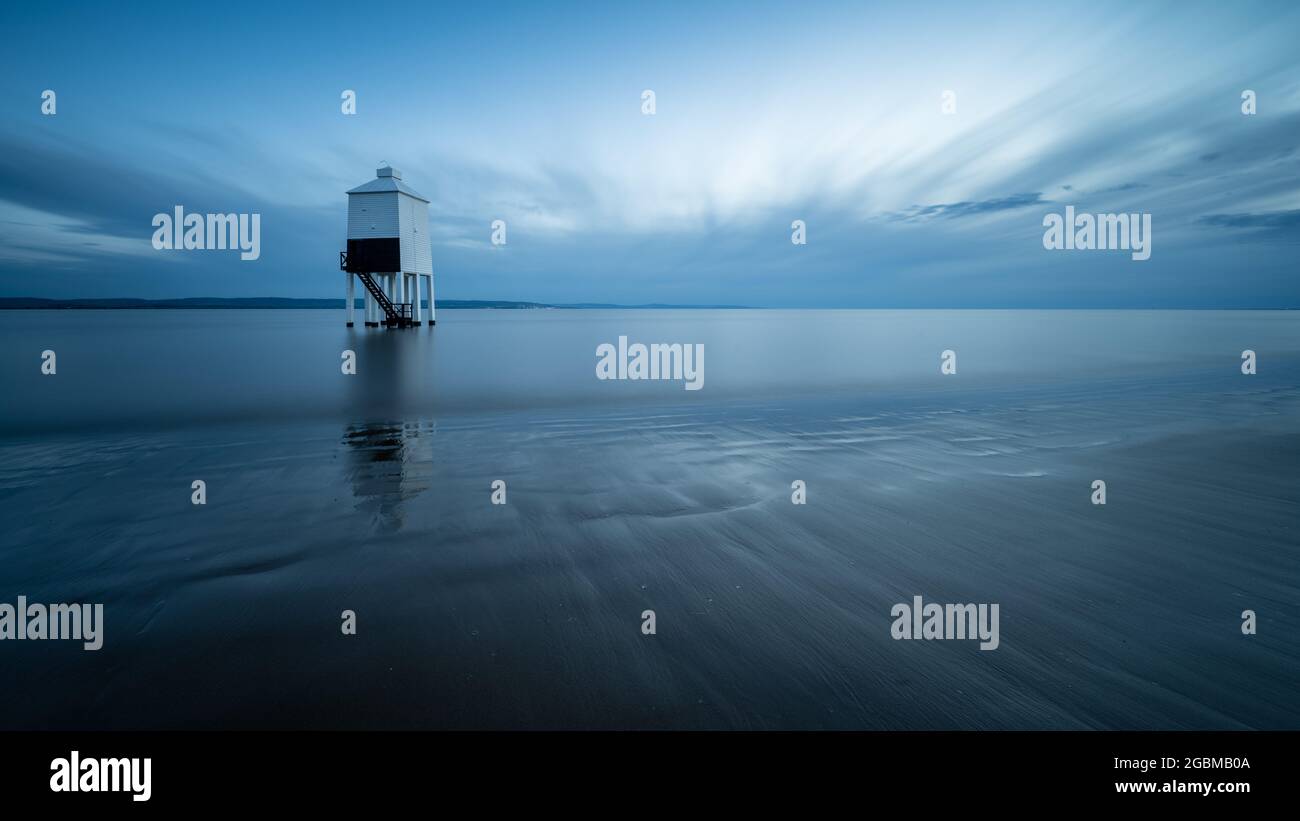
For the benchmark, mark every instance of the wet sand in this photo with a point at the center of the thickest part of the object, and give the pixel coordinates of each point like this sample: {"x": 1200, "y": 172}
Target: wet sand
{"x": 769, "y": 615}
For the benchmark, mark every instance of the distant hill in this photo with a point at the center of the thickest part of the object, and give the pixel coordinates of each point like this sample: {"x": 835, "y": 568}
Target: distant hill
{"x": 18, "y": 303}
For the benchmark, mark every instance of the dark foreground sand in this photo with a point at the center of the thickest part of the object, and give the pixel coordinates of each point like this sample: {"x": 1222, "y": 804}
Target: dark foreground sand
{"x": 769, "y": 615}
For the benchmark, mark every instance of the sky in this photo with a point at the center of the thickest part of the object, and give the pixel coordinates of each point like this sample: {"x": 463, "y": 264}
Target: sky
{"x": 829, "y": 113}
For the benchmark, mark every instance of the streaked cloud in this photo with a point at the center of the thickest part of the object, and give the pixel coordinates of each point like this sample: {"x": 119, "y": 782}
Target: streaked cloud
{"x": 830, "y": 115}
{"x": 955, "y": 210}
{"x": 1277, "y": 222}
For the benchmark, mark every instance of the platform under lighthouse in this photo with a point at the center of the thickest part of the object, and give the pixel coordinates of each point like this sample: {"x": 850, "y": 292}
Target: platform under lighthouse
{"x": 388, "y": 251}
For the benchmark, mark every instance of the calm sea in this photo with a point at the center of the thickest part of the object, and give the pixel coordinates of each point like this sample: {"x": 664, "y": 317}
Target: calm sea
{"x": 372, "y": 492}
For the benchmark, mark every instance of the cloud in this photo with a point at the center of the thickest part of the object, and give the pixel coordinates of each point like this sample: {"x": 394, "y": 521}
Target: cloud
{"x": 1275, "y": 224}
{"x": 957, "y": 210}
{"x": 605, "y": 204}
{"x": 31, "y": 236}
{"x": 1121, "y": 188}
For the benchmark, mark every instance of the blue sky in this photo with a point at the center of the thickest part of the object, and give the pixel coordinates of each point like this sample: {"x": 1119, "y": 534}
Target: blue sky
{"x": 764, "y": 114}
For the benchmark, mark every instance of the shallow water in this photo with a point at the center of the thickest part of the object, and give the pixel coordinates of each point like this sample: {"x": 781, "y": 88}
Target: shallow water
{"x": 371, "y": 493}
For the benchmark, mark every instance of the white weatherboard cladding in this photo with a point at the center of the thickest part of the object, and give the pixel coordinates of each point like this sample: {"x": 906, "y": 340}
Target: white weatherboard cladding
{"x": 415, "y": 246}
{"x": 372, "y": 216}
{"x": 424, "y": 244}
{"x": 406, "y": 220}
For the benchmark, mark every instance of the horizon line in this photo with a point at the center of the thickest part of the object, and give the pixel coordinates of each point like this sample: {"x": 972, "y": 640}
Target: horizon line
{"x": 340, "y": 303}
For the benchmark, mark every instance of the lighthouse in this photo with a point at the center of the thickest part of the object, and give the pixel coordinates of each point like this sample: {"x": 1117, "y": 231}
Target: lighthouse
{"x": 388, "y": 250}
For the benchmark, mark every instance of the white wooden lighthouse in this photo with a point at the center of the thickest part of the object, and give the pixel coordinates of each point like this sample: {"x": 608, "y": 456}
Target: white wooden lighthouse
{"x": 388, "y": 250}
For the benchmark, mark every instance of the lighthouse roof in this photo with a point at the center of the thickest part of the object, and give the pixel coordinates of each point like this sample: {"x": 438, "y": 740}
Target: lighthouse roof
{"x": 388, "y": 179}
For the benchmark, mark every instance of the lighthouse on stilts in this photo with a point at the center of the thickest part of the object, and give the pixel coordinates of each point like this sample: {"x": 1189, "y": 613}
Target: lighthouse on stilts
{"x": 388, "y": 251}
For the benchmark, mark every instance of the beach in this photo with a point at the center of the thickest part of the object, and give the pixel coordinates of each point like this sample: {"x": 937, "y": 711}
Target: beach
{"x": 328, "y": 492}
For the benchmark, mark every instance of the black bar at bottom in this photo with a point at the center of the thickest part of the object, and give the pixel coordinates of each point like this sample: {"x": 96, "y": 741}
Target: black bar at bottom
{"x": 335, "y": 769}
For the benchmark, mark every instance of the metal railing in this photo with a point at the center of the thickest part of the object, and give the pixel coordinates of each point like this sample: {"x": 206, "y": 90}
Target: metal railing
{"x": 396, "y": 312}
